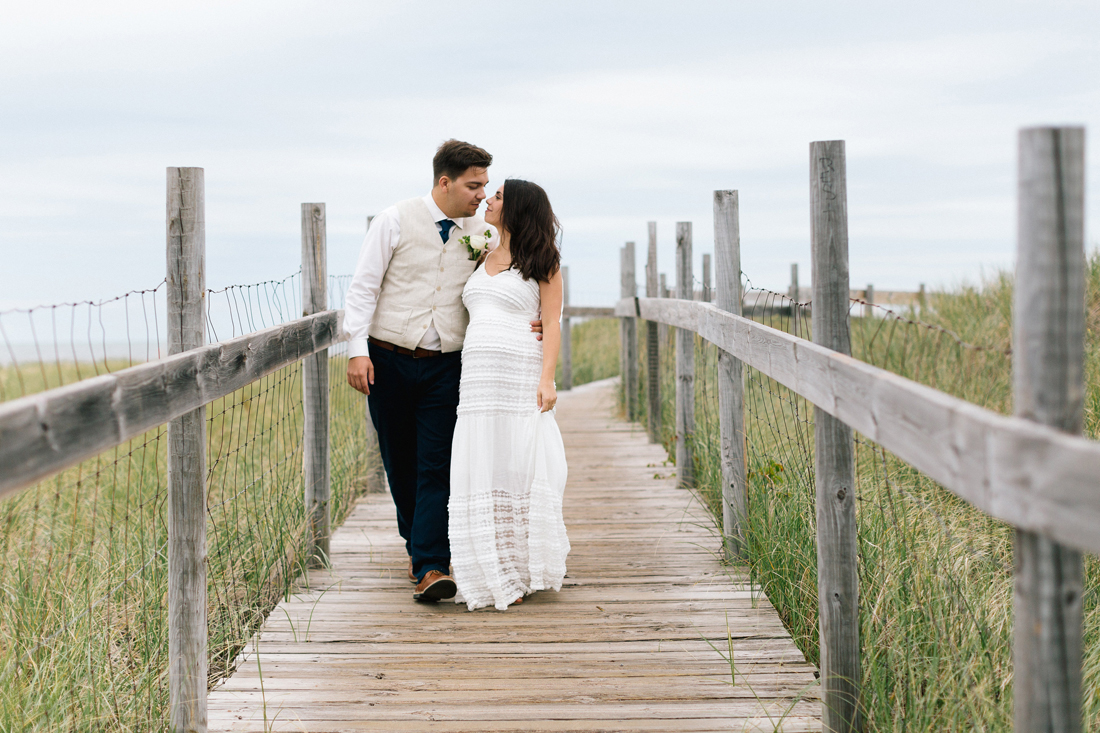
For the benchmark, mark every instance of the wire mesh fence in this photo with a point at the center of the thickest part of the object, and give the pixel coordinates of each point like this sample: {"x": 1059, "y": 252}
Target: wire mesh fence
{"x": 83, "y": 613}
{"x": 936, "y": 579}
{"x": 53, "y": 345}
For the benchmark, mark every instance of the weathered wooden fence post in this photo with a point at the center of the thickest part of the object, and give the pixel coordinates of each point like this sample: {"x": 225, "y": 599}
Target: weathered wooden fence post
{"x": 1048, "y": 368}
{"x": 653, "y": 363}
{"x": 376, "y": 476}
{"x": 315, "y": 392}
{"x": 793, "y": 293}
{"x": 921, "y": 295}
{"x": 666, "y": 293}
{"x": 187, "y": 641}
{"x": 731, "y": 394}
{"x": 628, "y": 336}
{"x": 566, "y": 334}
{"x": 708, "y": 296}
{"x": 834, "y": 460}
{"x": 685, "y": 362}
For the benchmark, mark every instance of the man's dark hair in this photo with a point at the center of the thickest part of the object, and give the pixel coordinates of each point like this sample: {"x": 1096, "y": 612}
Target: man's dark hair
{"x": 454, "y": 157}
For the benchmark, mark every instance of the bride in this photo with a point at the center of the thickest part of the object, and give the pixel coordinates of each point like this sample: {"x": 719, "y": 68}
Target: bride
{"x": 508, "y": 466}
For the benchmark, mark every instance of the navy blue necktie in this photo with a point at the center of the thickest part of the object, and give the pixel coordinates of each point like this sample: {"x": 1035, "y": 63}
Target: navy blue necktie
{"x": 445, "y": 229}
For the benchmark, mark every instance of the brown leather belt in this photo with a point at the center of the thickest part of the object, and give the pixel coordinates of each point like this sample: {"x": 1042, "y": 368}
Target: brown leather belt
{"x": 417, "y": 353}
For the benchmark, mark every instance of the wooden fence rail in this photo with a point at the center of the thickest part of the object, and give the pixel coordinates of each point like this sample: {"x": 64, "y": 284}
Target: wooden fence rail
{"x": 1033, "y": 470}
{"x": 1016, "y": 470}
{"x": 45, "y": 433}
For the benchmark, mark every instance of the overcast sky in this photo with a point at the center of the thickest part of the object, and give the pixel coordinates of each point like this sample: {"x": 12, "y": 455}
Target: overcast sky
{"x": 624, "y": 111}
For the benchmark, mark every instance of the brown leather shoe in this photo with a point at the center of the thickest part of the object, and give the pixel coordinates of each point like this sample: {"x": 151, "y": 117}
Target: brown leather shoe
{"x": 412, "y": 578}
{"x": 435, "y": 586}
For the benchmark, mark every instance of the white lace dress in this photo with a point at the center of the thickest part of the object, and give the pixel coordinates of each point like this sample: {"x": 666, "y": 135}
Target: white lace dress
{"x": 508, "y": 466}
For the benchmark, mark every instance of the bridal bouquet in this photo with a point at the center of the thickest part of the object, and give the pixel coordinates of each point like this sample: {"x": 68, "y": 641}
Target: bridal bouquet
{"x": 477, "y": 244}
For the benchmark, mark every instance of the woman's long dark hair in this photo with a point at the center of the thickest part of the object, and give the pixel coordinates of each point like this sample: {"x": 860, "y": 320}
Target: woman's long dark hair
{"x": 532, "y": 229}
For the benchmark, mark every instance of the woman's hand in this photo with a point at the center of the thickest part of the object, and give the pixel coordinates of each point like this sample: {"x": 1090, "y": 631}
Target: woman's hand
{"x": 548, "y": 395}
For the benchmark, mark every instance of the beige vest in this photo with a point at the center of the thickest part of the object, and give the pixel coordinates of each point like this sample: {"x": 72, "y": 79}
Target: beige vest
{"x": 423, "y": 283}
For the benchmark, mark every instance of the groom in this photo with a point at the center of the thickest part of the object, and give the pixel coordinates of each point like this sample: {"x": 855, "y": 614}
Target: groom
{"x": 405, "y": 316}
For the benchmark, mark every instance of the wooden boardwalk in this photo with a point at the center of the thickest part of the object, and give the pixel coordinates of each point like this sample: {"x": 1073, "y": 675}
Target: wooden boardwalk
{"x": 635, "y": 641}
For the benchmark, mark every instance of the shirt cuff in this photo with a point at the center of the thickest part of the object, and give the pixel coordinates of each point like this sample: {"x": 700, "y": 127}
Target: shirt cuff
{"x": 357, "y": 347}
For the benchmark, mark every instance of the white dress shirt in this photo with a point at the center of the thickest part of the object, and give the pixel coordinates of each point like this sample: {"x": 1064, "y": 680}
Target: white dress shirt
{"x": 374, "y": 258}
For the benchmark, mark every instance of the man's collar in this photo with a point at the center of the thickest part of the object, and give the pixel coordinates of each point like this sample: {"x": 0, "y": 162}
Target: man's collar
{"x": 438, "y": 215}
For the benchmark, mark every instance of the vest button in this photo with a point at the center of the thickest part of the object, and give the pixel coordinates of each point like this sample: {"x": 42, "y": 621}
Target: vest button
{"x": 439, "y": 287}
{"x": 441, "y": 269}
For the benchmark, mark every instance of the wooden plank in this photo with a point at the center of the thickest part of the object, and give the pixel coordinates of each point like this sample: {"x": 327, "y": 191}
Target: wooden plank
{"x": 683, "y": 566}
{"x": 501, "y": 671}
{"x": 290, "y": 662}
{"x": 300, "y": 670}
{"x": 635, "y": 639}
{"x": 661, "y": 608}
{"x": 670, "y": 603}
{"x": 628, "y": 337}
{"x": 731, "y": 387}
{"x": 527, "y": 694}
{"x": 654, "y": 633}
{"x": 653, "y": 359}
{"x": 1048, "y": 358}
{"x": 732, "y": 710}
{"x": 566, "y": 334}
{"x": 47, "y": 432}
{"x": 685, "y": 362}
{"x": 425, "y": 720}
{"x": 315, "y": 389}
{"x": 343, "y": 624}
{"x": 747, "y": 651}
{"x": 379, "y": 576}
{"x": 186, "y": 259}
{"x": 490, "y": 689}
{"x": 834, "y": 450}
{"x": 656, "y": 595}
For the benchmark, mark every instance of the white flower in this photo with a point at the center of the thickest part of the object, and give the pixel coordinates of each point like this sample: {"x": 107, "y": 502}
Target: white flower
{"x": 477, "y": 244}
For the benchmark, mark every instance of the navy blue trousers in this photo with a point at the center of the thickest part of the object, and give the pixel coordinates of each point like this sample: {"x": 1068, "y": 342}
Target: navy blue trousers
{"x": 413, "y": 405}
